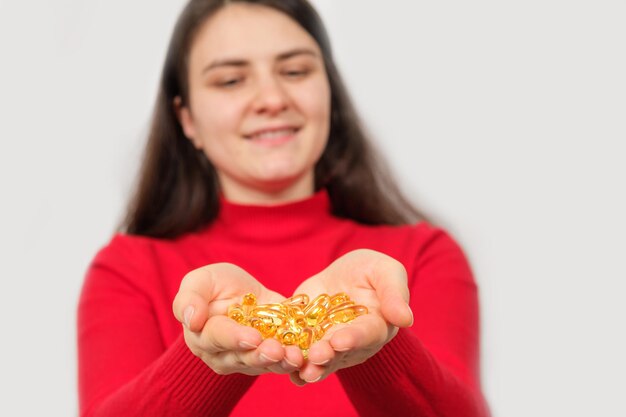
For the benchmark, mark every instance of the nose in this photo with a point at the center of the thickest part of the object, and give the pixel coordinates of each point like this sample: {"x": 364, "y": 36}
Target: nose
{"x": 271, "y": 97}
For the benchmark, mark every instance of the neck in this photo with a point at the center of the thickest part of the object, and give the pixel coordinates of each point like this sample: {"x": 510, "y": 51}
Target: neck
{"x": 267, "y": 194}
{"x": 278, "y": 222}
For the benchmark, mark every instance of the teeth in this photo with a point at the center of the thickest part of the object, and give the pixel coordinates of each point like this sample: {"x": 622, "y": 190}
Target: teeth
{"x": 270, "y": 134}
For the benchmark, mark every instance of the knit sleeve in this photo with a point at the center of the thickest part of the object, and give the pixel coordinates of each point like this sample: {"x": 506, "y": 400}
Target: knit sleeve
{"x": 125, "y": 369}
{"x": 431, "y": 369}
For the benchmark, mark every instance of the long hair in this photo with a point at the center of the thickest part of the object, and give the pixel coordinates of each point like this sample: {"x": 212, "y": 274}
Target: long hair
{"x": 178, "y": 190}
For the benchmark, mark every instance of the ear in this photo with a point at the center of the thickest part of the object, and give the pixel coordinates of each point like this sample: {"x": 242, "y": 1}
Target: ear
{"x": 183, "y": 113}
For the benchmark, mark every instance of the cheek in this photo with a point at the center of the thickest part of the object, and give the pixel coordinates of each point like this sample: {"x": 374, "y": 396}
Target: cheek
{"x": 316, "y": 105}
{"x": 218, "y": 119}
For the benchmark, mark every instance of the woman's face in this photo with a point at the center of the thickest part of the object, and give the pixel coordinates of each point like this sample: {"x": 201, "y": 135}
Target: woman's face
{"x": 259, "y": 103}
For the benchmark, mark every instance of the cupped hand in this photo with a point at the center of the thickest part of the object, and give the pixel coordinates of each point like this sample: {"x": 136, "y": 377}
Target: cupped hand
{"x": 224, "y": 345}
{"x": 372, "y": 279}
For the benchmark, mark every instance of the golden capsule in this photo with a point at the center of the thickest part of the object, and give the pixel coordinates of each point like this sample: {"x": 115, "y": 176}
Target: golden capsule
{"x": 305, "y": 338}
{"x": 296, "y": 317}
{"x": 359, "y": 310}
{"x": 300, "y": 300}
{"x": 287, "y": 336}
{"x": 268, "y": 315}
{"x": 341, "y": 306}
{"x": 269, "y": 331}
{"x": 321, "y": 329}
{"x": 346, "y": 313}
{"x": 315, "y": 311}
{"x": 236, "y": 313}
{"x": 339, "y": 298}
{"x": 278, "y": 307}
{"x": 257, "y": 324}
{"x": 342, "y": 316}
{"x": 249, "y": 299}
{"x": 322, "y": 299}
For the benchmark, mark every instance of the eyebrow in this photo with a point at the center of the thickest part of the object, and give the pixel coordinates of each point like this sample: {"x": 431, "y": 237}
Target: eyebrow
{"x": 242, "y": 62}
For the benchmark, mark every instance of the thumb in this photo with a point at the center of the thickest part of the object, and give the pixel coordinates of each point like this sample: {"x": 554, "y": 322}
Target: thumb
{"x": 191, "y": 304}
{"x": 191, "y": 310}
{"x": 389, "y": 279}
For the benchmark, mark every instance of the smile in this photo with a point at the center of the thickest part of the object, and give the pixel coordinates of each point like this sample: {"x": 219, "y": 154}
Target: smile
{"x": 273, "y": 135}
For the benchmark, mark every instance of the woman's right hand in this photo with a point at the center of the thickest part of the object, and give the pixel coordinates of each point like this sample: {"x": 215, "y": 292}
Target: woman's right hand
{"x": 224, "y": 345}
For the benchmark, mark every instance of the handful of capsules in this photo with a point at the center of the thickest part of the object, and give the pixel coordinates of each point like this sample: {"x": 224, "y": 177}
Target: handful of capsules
{"x": 296, "y": 321}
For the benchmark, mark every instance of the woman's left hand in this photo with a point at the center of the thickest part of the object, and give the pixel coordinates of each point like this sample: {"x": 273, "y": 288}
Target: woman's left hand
{"x": 372, "y": 279}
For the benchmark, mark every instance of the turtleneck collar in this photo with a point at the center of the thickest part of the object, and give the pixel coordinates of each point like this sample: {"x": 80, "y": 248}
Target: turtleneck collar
{"x": 276, "y": 222}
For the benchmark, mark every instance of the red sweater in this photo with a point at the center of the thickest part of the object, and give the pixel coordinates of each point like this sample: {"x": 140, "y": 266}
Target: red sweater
{"x": 133, "y": 360}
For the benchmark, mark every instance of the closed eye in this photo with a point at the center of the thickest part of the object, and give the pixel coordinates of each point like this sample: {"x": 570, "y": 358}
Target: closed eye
{"x": 296, "y": 73}
{"x": 229, "y": 82}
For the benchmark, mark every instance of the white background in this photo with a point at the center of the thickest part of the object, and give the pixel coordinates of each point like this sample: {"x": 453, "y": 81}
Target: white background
{"x": 505, "y": 121}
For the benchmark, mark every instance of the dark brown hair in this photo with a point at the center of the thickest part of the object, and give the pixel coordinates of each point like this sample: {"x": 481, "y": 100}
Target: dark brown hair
{"x": 178, "y": 190}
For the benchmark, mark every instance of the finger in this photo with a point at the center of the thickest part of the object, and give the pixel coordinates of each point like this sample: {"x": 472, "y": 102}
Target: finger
{"x": 292, "y": 361}
{"x": 201, "y": 287}
{"x": 221, "y": 334}
{"x": 321, "y": 352}
{"x": 321, "y": 355}
{"x": 294, "y": 377}
{"x": 268, "y": 357}
{"x": 389, "y": 278}
{"x": 294, "y": 358}
{"x": 365, "y": 332}
{"x": 269, "y": 352}
{"x": 311, "y": 373}
{"x": 191, "y": 310}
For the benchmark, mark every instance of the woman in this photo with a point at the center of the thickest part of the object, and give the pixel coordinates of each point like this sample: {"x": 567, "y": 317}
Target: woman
{"x": 258, "y": 178}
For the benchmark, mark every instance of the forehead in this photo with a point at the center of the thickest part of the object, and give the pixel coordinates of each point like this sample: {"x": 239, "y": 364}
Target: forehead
{"x": 248, "y": 31}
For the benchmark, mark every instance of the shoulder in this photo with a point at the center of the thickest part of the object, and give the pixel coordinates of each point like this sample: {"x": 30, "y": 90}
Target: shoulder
{"x": 124, "y": 250}
{"x": 418, "y": 238}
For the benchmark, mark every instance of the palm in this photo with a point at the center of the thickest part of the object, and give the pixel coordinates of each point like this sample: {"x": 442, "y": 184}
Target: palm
{"x": 230, "y": 287}
{"x": 371, "y": 279}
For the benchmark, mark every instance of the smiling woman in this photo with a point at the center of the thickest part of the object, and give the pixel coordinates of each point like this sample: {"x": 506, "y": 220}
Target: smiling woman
{"x": 259, "y": 103}
{"x": 258, "y": 179}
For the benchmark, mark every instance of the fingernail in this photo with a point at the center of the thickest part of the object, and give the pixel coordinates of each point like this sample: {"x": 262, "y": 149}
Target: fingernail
{"x": 411, "y": 313}
{"x": 188, "y": 314}
{"x": 314, "y": 380}
{"x": 267, "y": 358}
{"x": 247, "y": 345}
{"x": 290, "y": 363}
{"x": 321, "y": 363}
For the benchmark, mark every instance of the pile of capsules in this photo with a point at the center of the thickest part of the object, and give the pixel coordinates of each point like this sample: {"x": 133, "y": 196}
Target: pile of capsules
{"x": 296, "y": 321}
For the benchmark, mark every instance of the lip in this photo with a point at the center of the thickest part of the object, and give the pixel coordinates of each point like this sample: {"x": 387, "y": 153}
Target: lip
{"x": 273, "y": 135}
{"x": 270, "y": 129}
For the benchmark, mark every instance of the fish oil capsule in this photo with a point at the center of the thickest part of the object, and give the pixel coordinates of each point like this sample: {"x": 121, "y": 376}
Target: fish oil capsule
{"x": 269, "y": 330}
{"x": 300, "y": 300}
{"x": 341, "y": 306}
{"x": 296, "y": 317}
{"x": 346, "y": 312}
{"x": 268, "y": 315}
{"x": 359, "y": 310}
{"x": 316, "y": 309}
{"x": 278, "y": 307}
{"x": 287, "y": 336}
{"x": 342, "y": 316}
{"x": 236, "y": 313}
{"x": 249, "y": 299}
{"x": 321, "y": 329}
{"x": 339, "y": 298}
{"x": 305, "y": 338}
{"x": 257, "y": 323}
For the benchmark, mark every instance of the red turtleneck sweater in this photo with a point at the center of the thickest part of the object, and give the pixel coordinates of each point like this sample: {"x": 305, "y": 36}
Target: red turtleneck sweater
{"x": 133, "y": 360}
